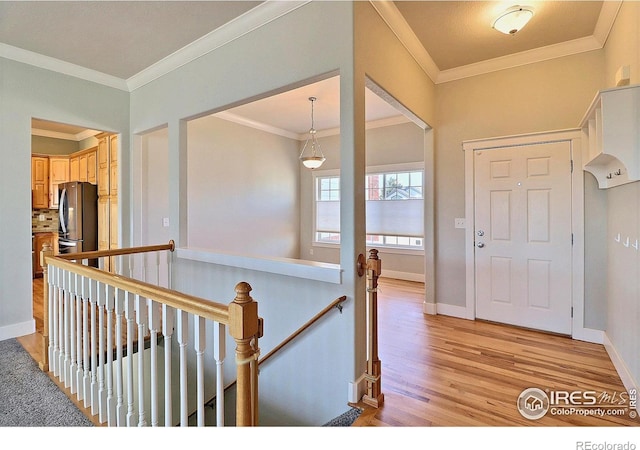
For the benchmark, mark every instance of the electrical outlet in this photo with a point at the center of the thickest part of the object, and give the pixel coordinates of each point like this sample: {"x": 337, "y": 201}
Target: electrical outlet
{"x": 41, "y": 218}
{"x": 460, "y": 223}
{"x": 165, "y": 222}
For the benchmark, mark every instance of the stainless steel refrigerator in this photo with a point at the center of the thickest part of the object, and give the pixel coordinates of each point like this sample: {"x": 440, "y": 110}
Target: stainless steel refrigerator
{"x": 78, "y": 211}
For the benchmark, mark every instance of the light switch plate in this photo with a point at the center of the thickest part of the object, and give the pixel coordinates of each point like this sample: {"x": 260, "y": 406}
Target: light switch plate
{"x": 460, "y": 223}
{"x": 165, "y": 222}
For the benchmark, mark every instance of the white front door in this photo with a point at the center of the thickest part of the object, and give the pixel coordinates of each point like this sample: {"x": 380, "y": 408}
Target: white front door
{"x": 523, "y": 235}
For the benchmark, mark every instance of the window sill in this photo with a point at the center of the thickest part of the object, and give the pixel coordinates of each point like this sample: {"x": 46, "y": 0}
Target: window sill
{"x": 308, "y": 270}
{"x": 380, "y": 248}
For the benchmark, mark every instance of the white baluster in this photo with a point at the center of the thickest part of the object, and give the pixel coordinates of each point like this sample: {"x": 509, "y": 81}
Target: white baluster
{"x": 86, "y": 379}
{"x": 141, "y": 316}
{"x": 120, "y": 411}
{"x": 168, "y": 319}
{"x": 200, "y": 344}
{"x": 78, "y": 374}
{"x": 169, "y": 270}
{"x": 111, "y": 401}
{"x": 154, "y": 327}
{"x": 60, "y": 359}
{"x": 52, "y": 315}
{"x": 73, "y": 280}
{"x": 129, "y": 314}
{"x": 55, "y": 317}
{"x": 183, "y": 337}
{"x": 93, "y": 304}
{"x": 219, "y": 354}
{"x": 102, "y": 393}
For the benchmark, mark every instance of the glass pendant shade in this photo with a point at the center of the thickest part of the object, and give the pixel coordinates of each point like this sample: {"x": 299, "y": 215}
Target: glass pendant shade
{"x": 513, "y": 19}
{"x": 314, "y": 157}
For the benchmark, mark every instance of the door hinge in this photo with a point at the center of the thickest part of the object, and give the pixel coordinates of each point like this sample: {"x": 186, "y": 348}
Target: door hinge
{"x": 572, "y": 166}
{"x": 572, "y": 312}
{"x": 572, "y": 239}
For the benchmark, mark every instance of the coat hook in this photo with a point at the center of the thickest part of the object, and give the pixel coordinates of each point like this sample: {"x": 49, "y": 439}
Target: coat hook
{"x": 617, "y": 238}
{"x": 609, "y": 176}
{"x": 626, "y": 243}
{"x": 618, "y": 172}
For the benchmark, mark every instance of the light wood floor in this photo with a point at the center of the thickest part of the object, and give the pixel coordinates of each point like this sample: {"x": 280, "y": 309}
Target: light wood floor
{"x": 443, "y": 371}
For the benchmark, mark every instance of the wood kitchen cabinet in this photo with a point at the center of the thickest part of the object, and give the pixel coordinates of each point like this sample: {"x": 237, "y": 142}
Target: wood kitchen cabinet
{"x": 83, "y": 166}
{"x": 39, "y": 182}
{"x": 58, "y": 173}
{"x": 39, "y": 239}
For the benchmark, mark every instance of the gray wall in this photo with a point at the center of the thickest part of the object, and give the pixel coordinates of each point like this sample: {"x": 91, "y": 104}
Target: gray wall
{"x": 29, "y": 92}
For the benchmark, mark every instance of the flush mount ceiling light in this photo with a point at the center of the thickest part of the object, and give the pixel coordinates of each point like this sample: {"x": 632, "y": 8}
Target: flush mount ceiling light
{"x": 513, "y": 19}
{"x": 315, "y": 158}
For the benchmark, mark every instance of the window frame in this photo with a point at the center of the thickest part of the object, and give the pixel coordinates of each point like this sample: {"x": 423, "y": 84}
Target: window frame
{"x": 386, "y": 168}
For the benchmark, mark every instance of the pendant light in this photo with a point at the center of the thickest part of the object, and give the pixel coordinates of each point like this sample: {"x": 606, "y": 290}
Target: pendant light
{"x": 315, "y": 158}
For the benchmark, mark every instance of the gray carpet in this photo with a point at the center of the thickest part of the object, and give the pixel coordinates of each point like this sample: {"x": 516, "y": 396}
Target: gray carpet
{"x": 345, "y": 419}
{"x": 28, "y": 397}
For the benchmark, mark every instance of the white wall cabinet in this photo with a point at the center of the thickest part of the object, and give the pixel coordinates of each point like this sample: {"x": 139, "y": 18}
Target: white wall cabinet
{"x": 611, "y": 149}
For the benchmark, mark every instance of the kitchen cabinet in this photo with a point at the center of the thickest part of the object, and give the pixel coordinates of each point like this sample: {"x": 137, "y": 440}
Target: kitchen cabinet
{"x": 83, "y": 166}
{"x": 39, "y": 239}
{"x": 74, "y": 168}
{"x": 58, "y": 173}
{"x": 39, "y": 182}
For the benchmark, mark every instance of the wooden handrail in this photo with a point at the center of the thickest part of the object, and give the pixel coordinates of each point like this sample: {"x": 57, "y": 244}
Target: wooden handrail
{"x": 188, "y": 303}
{"x": 292, "y": 336}
{"x": 171, "y": 246}
{"x": 300, "y": 330}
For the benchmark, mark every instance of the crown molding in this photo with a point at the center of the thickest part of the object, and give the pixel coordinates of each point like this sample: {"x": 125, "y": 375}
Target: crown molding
{"x": 262, "y": 14}
{"x": 226, "y": 115}
{"x": 251, "y": 20}
{"x": 391, "y": 15}
{"x": 399, "y": 26}
{"x": 66, "y": 136}
{"x": 520, "y": 59}
{"x": 63, "y": 67}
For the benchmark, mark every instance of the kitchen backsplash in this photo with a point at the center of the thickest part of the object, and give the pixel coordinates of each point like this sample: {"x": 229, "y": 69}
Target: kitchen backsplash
{"x": 50, "y": 222}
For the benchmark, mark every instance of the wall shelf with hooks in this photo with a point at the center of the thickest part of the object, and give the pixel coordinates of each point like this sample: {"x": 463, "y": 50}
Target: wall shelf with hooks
{"x": 612, "y": 144}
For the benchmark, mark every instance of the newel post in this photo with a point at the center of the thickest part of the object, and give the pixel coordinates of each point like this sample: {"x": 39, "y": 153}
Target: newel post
{"x": 244, "y": 328}
{"x": 47, "y": 250}
{"x": 374, "y": 396}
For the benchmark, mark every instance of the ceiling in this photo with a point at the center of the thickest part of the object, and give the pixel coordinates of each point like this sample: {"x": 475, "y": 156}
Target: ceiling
{"x": 126, "y": 44}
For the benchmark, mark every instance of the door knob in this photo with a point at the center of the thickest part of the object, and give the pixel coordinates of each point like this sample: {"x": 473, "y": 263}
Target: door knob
{"x": 480, "y": 244}
{"x": 480, "y": 233}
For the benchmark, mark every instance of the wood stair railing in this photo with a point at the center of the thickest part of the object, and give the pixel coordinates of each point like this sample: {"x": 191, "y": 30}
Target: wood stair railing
{"x": 75, "y": 290}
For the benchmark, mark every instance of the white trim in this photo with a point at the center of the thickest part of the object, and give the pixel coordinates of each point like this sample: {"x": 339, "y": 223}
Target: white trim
{"x": 228, "y": 116}
{"x": 17, "y": 329}
{"x": 429, "y": 308}
{"x": 536, "y": 55}
{"x": 63, "y": 67}
{"x": 66, "y": 136}
{"x": 452, "y": 311}
{"x": 397, "y": 275}
{"x": 399, "y": 26}
{"x": 309, "y": 270}
{"x": 357, "y": 389}
{"x": 253, "y": 19}
{"x": 579, "y": 331}
{"x": 589, "y": 335}
{"x": 621, "y": 367}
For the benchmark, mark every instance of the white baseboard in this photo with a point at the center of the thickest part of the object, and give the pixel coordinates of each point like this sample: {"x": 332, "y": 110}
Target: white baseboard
{"x": 589, "y": 335}
{"x": 357, "y": 389}
{"x": 17, "y": 329}
{"x": 430, "y": 308}
{"x": 621, "y": 367}
{"x": 407, "y": 276}
{"x": 452, "y": 310}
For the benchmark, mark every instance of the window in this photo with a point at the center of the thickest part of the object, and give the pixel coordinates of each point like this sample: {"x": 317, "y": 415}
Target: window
{"x": 394, "y": 205}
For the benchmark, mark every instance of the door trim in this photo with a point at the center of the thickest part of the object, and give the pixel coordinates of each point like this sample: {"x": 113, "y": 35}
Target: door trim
{"x": 577, "y": 219}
